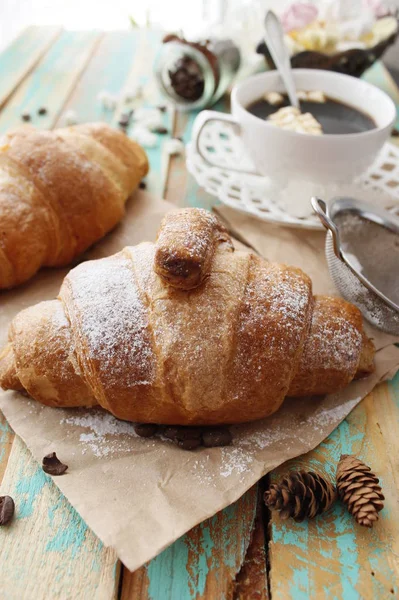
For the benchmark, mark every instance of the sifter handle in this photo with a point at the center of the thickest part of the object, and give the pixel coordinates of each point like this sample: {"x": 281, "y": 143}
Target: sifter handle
{"x": 320, "y": 208}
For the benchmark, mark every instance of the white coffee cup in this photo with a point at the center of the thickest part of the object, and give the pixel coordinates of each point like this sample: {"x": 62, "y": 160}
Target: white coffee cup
{"x": 327, "y": 158}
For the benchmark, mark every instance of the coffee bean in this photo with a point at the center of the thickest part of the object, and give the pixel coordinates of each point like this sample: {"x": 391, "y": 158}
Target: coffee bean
{"x": 395, "y": 132}
{"x": 124, "y": 120}
{"x": 52, "y": 465}
{"x": 188, "y": 433}
{"x": 146, "y": 429}
{"x": 160, "y": 130}
{"x": 217, "y": 436}
{"x": 170, "y": 432}
{"x": 25, "y": 117}
{"x": 7, "y": 508}
{"x": 142, "y": 185}
{"x": 189, "y": 443}
{"x": 187, "y": 79}
{"x": 42, "y": 111}
{"x": 162, "y": 108}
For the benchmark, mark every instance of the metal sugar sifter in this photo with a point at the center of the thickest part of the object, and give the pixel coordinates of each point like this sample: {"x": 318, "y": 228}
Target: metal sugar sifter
{"x": 362, "y": 251}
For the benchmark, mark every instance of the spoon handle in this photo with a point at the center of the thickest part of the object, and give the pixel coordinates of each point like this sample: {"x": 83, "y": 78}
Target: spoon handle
{"x": 274, "y": 38}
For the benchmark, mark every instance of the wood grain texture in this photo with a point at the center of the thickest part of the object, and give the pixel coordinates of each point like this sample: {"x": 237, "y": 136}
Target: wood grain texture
{"x": 121, "y": 62}
{"x": 203, "y": 563}
{"x": 6, "y": 440}
{"x": 52, "y": 81}
{"x": 251, "y": 581}
{"x": 147, "y": 46}
{"x": 47, "y": 551}
{"x": 176, "y": 183}
{"x": 181, "y": 188}
{"x": 21, "y": 56}
{"x": 66, "y": 560}
{"x": 332, "y": 557}
{"x": 107, "y": 70}
{"x": 329, "y": 558}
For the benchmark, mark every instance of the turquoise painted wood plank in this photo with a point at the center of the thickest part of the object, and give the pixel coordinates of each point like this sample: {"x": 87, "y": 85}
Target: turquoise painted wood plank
{"x": 20, "y": 57}
{"x": 66, "y": 558}
{"x": 332, "y": 557}
{"x": 120, "y": 63}
{"x": 51, "y": 83}
{"x": 252, "y": 581}
{"x": 203, "y": 563}
{"x": 47, "y": 551}
{"x": 107, "y": 70}
{"x": 147, "y": 46}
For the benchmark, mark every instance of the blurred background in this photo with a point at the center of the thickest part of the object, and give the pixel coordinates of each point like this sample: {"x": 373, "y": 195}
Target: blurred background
{"x": 194, "y": 18}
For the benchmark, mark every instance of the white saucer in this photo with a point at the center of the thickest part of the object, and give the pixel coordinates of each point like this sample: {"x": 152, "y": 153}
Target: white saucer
{"x": 289, "y": 204}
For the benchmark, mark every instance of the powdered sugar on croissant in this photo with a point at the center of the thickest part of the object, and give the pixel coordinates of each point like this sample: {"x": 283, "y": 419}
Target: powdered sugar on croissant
{"x": 60, "y": 191}
{"x": 228, "y": 349}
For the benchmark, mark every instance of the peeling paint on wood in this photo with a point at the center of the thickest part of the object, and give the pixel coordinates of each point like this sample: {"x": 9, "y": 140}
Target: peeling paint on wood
{"x": 251, "y": 581}
{"x": 48, "y": 551}
{"x": 203, "y": 563}
{"x": 332, "y": 557}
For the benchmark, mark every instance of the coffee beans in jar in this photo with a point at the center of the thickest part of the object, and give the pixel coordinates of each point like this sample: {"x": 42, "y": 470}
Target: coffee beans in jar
{"x": 196, "y": 74}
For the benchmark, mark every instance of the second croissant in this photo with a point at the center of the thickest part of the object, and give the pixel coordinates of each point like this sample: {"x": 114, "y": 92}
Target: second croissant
{"x": 61, "y": 191}
{"x": 185, "y": 331}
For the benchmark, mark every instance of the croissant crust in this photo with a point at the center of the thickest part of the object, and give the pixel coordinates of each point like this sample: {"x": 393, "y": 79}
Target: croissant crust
{"x": 60, "y": 191}
{"x": 127, "y": 334}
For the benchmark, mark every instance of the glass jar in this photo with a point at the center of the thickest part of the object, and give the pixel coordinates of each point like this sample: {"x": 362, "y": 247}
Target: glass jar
{"x": 196, "y": 74}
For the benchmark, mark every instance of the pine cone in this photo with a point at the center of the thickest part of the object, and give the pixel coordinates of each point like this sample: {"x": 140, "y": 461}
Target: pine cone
{"x": 300, "y": 495}
{"x": 358, "y": 488}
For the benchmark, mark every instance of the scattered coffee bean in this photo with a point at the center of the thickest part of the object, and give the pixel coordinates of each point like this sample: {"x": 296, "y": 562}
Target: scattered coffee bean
{"x": 142, "y": 185}
{"x": 189, "y": 443}
{"x": 7, "y": 508}
{"x": 160, "y": 130}
{"x": 395, "y": 132}
{"x": 25, "y": 116}
{"x": 217, "y": 436}
{"x": 52, "y": 465}
{"x": 146, "y": 429}
{"x": 187, "y": 437}
{"x": 42, "y": 111}
{"x": 124, "y": 120}
{"x": 170, "y": 432}
{"x": 162, "y": 108}
{"x": 188, "y": 433}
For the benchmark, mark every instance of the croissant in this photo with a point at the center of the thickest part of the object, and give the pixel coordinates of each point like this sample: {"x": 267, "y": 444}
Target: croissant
{"x": 185, "y": 331}
{"x": 60, "y": 191}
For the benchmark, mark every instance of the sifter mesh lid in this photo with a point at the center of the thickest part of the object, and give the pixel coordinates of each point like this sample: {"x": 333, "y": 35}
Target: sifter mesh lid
{"x": 362, "y": 250}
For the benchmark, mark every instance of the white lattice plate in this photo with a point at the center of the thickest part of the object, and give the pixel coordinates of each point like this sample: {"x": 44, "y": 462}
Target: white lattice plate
{"x": 288, "y": 205}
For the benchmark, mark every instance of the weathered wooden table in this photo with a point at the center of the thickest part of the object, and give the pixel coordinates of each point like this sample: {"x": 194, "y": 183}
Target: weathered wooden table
{"x": 243, "y": 552}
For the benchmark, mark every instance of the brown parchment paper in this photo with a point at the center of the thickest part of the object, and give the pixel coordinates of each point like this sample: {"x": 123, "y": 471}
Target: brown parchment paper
{"x": 139, "y": 495}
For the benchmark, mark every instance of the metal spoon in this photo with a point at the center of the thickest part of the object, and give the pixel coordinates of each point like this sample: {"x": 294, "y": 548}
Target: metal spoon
{"x": 274, "y": 38}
